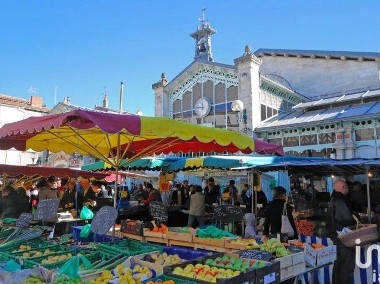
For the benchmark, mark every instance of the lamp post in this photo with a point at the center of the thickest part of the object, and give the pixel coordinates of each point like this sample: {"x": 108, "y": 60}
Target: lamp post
{"x": 241, "y": 114}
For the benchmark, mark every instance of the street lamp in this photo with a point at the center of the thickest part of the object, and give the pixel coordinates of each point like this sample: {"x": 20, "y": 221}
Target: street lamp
{"x": 241, "y": 114}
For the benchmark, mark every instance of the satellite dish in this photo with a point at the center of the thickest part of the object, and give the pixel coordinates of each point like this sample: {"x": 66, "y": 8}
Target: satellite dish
{"x": 237, "y": 105}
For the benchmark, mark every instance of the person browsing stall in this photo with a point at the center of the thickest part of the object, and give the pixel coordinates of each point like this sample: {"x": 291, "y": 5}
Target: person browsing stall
{"x": 197, "y": 207}
{"x": 154, "y": 195}
{"x": 88, "y": 193}
{"x": 211, "y": 191}
{"x": 71, "y": 199}
{"x": 273, "y": 213}
{"x": 340, "y": 215}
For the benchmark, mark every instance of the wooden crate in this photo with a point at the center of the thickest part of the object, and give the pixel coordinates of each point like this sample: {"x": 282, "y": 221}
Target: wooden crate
{"x": 228, "y": 244}
{"x": 204, "y": 241}
{"x": 185, "y": 237}
{"x": 148, "y": 233}
{"x": 180, "y": 243}
{"x": 132, "y": 236}
{"x": 209, "y": 247}
{"x": 218, "y": 242}
{"x": 156, "y": 240}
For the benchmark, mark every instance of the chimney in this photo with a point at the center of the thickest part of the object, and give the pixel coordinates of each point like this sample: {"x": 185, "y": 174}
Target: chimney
{"x": 36, "y": 101}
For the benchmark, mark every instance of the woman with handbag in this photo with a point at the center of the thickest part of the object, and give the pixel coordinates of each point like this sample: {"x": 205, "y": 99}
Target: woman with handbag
{"x": 274, "y": 213}
{"x": 340, "y": 216}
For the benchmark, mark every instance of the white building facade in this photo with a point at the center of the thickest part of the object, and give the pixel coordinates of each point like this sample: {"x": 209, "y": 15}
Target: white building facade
{"x": 14, "y": 109}
{"x": 314, "y": 103}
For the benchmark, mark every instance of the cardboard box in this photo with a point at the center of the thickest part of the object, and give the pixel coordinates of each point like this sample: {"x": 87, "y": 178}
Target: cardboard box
{"x": 284, "y": 261}
{"x": 286, "y": 273}
{"x": 268, "y": 274}
{"x": 298, "y": 258}
{"x": 299, "y": 268}
{"x": 322, "y": 256}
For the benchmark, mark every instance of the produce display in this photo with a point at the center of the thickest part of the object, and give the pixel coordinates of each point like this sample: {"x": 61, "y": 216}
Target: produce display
{"x": 162, "y": 259}
{"x": 56, "y": 258}
{"x": 204, "y": 272}
{"x": 127, "y": 261}
{"x": 134, "y": 274}
{"x": 274, "y": 246}
{"x": 162, "y": 228}
{"x": 305, "y": 227}
{"x": 230, "y": 262}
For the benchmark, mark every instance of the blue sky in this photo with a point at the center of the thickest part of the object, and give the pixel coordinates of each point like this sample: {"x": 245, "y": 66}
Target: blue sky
{"x": 81, "y": 47}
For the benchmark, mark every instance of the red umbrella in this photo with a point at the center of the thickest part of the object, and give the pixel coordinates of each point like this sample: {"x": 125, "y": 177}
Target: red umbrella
{"x": 13, "y": 171}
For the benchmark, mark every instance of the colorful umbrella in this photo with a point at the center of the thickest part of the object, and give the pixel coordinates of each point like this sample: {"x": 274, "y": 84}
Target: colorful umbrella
{"x": 111, "y": 137}
{"x": 226, "y": 162}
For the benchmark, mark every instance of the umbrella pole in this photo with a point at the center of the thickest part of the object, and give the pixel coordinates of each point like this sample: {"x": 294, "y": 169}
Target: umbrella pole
{"x": 368, "y": 196}
{"x": 118, "y": 158}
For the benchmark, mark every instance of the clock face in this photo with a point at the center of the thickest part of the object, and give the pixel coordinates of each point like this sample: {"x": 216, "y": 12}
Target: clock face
{"x": 202, "y": 107}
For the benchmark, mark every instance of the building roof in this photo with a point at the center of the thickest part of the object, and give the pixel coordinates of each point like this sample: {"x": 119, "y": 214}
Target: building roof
{"x": 343, "y": 55}
{"x": 339, "y": 99}
{"x": 22, "y": 103}
{"x": 298, "y": 117}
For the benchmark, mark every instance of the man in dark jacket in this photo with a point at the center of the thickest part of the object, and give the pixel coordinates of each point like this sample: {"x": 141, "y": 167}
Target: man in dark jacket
{"x": 338, "y": 217}
{"x": 273, "y": 213}
{"x": 12, "y": 204}
{"x": 212, "y": 192}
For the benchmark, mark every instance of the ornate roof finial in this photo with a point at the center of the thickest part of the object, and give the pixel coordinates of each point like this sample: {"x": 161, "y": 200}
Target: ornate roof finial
{"x": 202, "y": 19}
{"x": 202, "y": 39}
{"x": 247, "y": 49}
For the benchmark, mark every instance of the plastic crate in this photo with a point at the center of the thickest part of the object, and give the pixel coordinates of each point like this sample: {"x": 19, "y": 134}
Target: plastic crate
{"x": 248, "y": 277}
{"x": 53, "y": 249}
{"x": 6, "y": 232}
{"x": 131, "y": 247}
{"x": 34, "y": 244}
{"x": 36, "y": 262}
{"x": 91, "y": 237}
{"x": 187, "y": 254}
{"x": 166, "y": 278}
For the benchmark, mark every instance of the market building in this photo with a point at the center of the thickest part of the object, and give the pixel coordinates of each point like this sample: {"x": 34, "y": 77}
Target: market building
{"x": 314, "y": 103}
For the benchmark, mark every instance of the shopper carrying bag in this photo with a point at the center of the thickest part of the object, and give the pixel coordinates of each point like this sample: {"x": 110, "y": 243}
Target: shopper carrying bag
{"x": 286, "y": 227}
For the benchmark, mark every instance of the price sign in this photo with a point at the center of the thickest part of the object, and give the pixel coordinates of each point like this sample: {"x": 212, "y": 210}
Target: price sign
{"x": 158, "y": 211}
{"x": 24, "y": 220}
{"x": 103, "y": 220}
{"x": 228, "y": 213}
{"x": 47, "y": 210}
{"x": 256, "y": 254}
